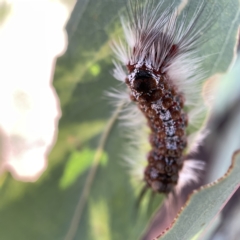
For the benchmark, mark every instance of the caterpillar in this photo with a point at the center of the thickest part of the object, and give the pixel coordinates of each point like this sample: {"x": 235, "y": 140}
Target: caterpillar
{"x": 158, "y": 63}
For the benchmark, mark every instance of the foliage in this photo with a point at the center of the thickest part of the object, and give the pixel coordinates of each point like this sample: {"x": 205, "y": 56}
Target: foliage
{"x": 86, "y": 191}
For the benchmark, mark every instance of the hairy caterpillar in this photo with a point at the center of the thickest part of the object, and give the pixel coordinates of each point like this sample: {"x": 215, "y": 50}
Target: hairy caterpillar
{"x": 163, "y": 76}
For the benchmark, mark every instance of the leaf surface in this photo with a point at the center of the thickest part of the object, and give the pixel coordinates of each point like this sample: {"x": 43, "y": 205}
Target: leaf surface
{"x": 205, "y": 204}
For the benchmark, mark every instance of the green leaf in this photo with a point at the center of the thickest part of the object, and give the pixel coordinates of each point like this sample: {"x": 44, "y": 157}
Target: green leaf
{"x": 205, "y": 204}
{"x": 79, "y": 162}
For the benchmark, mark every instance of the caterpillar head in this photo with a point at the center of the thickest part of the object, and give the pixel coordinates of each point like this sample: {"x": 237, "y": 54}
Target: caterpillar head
{"x": 143, "y": 84}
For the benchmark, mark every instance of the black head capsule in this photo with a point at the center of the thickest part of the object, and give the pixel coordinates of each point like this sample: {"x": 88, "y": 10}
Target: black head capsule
{"x": 144, "y": 82}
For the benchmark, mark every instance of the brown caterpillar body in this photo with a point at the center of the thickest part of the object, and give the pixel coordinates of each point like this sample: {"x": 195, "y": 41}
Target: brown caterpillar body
{"x": 162, "y": 106}
{"x": 161, "y": 56}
